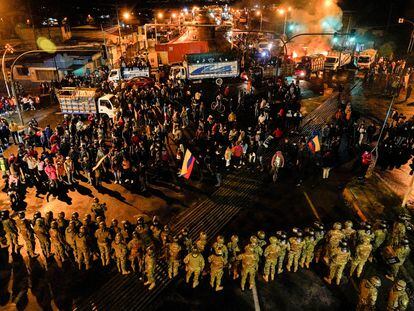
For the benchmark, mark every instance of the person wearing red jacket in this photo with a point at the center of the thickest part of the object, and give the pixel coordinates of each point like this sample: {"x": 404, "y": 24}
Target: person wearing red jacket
{"x": 366, "y": 159}
{"x": 237, "y": 153}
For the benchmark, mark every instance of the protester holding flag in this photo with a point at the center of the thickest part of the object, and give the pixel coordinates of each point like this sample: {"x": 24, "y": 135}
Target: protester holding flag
{"x": 327, "y": 163}
{"x": 188, "y": 164}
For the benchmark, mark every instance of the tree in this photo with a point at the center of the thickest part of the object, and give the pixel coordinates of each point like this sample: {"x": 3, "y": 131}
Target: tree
{"x": 387, "y": 49}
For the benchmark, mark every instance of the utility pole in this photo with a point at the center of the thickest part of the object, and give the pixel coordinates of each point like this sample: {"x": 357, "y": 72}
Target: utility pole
{"x": 7, "y": 48}
{"x": 14, "y": 93}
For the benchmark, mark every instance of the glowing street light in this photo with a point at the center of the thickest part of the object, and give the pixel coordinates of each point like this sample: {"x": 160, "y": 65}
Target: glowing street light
{"x": 7, "y": 49}
{"x": 284, "y": 12}
{"x": 259, "y": 13}
{"x": 174, "y": 15}
{"x": 126, "y": 15}
{"x": 160, "y": 15}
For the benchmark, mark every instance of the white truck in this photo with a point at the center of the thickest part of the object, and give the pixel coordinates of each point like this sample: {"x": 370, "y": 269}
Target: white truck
{"x": 206, "y": 66}
{"x": 366, "y": 58}
{"x": 73, "y": 100}
{"x": 127, "y": 73}
{"x": 336, "y": 60}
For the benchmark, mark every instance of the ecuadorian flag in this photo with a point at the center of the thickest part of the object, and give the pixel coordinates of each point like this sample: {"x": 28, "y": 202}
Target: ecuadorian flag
{"x": 314, "y": 144}
{"x": 188, "y": 164}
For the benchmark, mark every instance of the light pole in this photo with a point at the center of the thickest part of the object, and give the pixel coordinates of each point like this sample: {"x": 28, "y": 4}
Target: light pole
{"x": 7, "y": 48}
{"x": 411, "y": 43}
{"x": 259, "y": 13}
{"x": 285, "y": 13}
{"x": 160, "y": 15}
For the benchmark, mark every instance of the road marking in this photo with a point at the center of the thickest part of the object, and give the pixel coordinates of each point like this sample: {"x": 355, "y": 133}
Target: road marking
{"x": 255, "y": 298}
{"x": 357, "y": 209}
{"x": 312, "y": 206}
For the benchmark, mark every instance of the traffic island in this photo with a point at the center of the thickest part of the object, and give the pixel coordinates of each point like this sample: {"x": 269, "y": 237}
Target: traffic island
{"x": 371, "y": 198}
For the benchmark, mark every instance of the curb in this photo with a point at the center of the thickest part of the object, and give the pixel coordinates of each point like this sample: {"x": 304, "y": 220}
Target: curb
{"x": 352, "y": 201}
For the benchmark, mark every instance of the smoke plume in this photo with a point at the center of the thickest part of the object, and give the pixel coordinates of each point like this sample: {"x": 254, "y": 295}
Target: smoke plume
{"x": 312, "y": 16}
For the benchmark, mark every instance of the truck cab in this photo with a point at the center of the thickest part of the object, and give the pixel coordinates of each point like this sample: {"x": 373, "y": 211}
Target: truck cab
{"x": 82, "y": 101}
{"x": 366, "y": 58}
{"x": 126, "y": 73}
{"x": 178, "y": 72}
{"x": 332, "y": 62}
{"x": 337, "y": 60}
{"x": 108, "y": 105}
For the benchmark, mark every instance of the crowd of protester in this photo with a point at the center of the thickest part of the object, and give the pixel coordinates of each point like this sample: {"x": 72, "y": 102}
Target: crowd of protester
{"x": 155, "y": 126}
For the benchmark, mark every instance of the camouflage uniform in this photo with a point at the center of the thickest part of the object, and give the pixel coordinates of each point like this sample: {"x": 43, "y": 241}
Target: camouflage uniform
{"x": 257, "y": 250}
{"x": 398, "y": 298}
{"x": 136, "y": 252}
{"x": 103, "y": 239}
{"x": 98, "y": 209}
{"x": 261, "y": 239}
{"x": 70, "y": 234}
{"x": 349, "y": 232}
{"x": 220, "y": 244}
{"x": 174, "y": 250}
{"x": 248, "y": 262}
{"x": 11, "y": 233}
{"x": 121, "y": 252}
{"x": 194, "y": 265}
{"x": 82, "y": 248}
{"x": 399, "y": 231}
{"x": 296, "y": 245}
{"x": 308, "y": 251}
{"x": 271, "y": 254}
{"x": 217, "y": 264}
{"x": 201, "y": 242}
{"x": 368, "y": 293}
{"x": 362, "y": 253}
{"x": 234, "y": 251}
{"x": 380, "y": 235}
{"x": 57, "y": 241}
{"x": 27, "y": 233}
{"x": 402, "y": 252}
{"x": 43, "y": 237}
{"x": 284, "y": 248}
{"x": 333, "y": 237}
{"x": 150, "y": 268}
{"x": 339, "y": 259}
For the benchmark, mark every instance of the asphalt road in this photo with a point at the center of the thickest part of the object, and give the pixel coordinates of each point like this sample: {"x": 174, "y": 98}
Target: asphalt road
{"x": 282, "y": 206}
{"x": 276, "y": 206}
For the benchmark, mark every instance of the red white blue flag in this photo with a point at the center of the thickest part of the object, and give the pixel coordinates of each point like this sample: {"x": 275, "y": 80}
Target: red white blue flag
{"x": 314, "y": 144}
{"x": 188, "y": 165}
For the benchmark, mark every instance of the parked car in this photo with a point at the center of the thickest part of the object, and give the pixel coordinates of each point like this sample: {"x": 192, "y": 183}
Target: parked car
{"x": 141, "y": 82}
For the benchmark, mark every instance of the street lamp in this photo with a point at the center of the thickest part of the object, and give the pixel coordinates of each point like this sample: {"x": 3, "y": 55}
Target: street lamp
{"x": 284, "y": 12}
{"x": 259, "y": 13}
{"x": 411, "y": 43}
{"x": 159, "y": 15}
{"x": 126, "y": 15}
{"x": 7, "y": 49}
